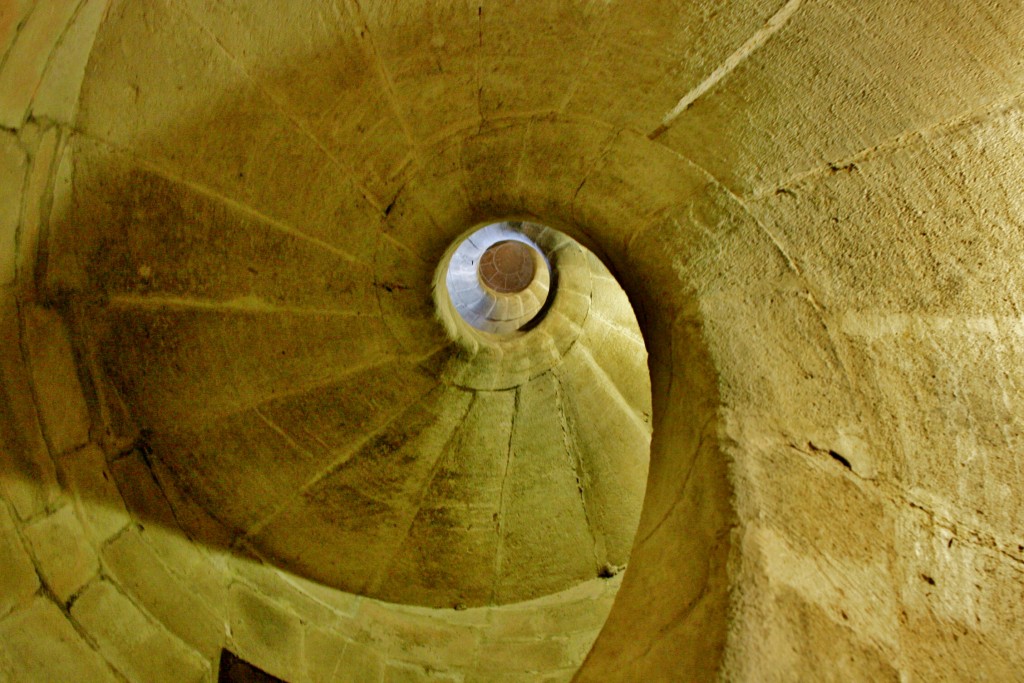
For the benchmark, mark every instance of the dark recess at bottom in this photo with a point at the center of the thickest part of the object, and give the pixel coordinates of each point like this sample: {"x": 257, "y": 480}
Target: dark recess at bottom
{"x": 235, "y": 670}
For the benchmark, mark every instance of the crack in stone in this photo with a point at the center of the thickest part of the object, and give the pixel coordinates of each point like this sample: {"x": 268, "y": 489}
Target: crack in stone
{"x": 598, "y": 542}
{"x": 752, "y": 45}
{"x": 500, "y": 527}
{"x": 899, "y": 141}
{"x": 680, "y": 499}
{"x": 155, "y": 168}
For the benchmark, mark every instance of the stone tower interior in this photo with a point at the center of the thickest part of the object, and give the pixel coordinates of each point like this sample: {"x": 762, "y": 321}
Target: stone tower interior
{"x": 554, "y": 340}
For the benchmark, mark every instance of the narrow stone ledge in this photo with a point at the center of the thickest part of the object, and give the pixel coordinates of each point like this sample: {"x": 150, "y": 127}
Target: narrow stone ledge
{"x": 26, "y": 62}
{"x": 26, "y": 471}
{"x": 57, "y": 96}
{"x": 419, "y": 638}
{"x": 333, "y": 659}
{"x": 134, "y": 644}
{"x": 44, "y": 144}
{"x": 12, "y": 24}
{"x": 402, "y": 672}
{"x": 13, "y": 167}
{"x": 265, "y": 634}
{"x": 271, "y": 581}
{"x": 586, "y": 616}
{"x": 335, "y": 600}
{"x": 61, "y": 404}
{"x": 142, "y": 575}
{"x": 65, "y": 559}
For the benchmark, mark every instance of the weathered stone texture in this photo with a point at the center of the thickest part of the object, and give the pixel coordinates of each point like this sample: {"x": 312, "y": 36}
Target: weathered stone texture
{"x": 28, "y": 475}
{"x": 265, "y": 633}
{"x": 66, "y": 559}
{"x": 18, "y": 579}
{"x": 38, "y": 643}
{"x": 13, "y": 168}
{"x": 132, "y": 642}
{"x": 98, "y": 503}
{"x": 62, "y": 407}
{"x": 35, "y": 37}
{"x": 814, "y": 208}
{"x": 173, "y": 602}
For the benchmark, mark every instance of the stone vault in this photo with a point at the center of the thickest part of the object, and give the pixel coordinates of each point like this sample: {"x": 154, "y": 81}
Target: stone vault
{"x": 813, "y": 208}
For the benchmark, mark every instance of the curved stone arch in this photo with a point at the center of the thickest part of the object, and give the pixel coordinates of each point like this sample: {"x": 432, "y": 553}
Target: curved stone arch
{"x": 784, "y": 398}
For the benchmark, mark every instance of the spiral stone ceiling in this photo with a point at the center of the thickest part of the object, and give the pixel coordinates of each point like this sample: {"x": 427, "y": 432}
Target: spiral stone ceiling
{"x": 239, "y": 417}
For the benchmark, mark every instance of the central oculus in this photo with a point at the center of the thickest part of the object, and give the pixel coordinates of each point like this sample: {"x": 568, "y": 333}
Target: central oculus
{"x": 507, "y": 267}
{"x": 498, "y": 278}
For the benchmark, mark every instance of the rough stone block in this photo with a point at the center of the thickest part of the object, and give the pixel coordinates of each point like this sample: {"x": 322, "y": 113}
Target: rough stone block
{"x": 513, "y": 623}
{"x": 139, "y": 648}
{"x": 44, "y": 144}
{"x": 26, "y": 470}
{"x": 418, "y": 636}
{"x": 13, "y": 167}
{"x": 142, "y": 575}
{"x": 813, "y": 644}
{"x": 401, "y": 672}
{"x": 18, "y": 578}
{"x": 333, "y": 659}
{"x": 810, "y": 496}
{"x": 26, "y": 62}
{"x": 529, "y": 655}
{"x": 266, "y": 634}
{"x": 57, "y": 96}
{"x": 65, "y": 416}
{"x": 149, "y": 506}
{"x": 97, "y": 500}
{"x": 11, "y": 21}
{"x": 64, "y": 556}
{"x": 961, "y": 600}
{"x": 38, "y": 644}
{"x": 271, "y": 581}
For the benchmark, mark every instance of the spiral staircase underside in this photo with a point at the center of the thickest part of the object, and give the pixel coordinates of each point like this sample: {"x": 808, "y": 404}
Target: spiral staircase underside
{"x": 812, "y": 204}
{"x": 264, "y": 378}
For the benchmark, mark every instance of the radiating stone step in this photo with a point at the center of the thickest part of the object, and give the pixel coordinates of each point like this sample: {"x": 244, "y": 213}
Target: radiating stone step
{"x": 458, "y": 523}
{"x": 345, "y": 526}
{"x": 172, "y": 364}
{"x": 546, "y": 538}
{"x": 144, "y": 235}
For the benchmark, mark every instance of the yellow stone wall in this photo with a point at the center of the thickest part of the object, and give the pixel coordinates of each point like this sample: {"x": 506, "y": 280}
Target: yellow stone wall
{"x": 813, "y": 207}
